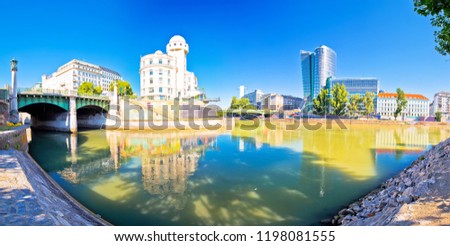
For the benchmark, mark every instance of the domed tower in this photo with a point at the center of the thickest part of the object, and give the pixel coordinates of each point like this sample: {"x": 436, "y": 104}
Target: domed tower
{"x": 178, "y": 48}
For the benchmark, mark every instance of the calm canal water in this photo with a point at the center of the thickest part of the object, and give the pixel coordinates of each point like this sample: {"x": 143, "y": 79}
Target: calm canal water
{"x": 259, "y": 177}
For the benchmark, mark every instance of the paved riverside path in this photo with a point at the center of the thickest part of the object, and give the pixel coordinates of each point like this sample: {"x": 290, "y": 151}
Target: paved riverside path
{"x": 29, "y": 197}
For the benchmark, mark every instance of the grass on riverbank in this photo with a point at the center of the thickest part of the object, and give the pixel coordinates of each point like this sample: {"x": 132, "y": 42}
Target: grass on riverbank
{"x": 6, "y": 128}
{"x": 9, "y": 126}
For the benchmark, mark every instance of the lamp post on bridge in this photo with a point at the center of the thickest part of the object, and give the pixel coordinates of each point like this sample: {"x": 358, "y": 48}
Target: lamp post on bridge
{"x": 13, "y": 109}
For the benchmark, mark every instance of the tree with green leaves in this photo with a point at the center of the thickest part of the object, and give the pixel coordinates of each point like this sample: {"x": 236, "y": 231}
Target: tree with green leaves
{"x": 439, "y": 10}
{"x": 339, "y": 99}
{"x": 401, "y": 102}
{"x": 234, "y": 103}
{"x": 354, "y": 105}
{"x": 368, "y": 103}
{"x": 87, "y": 88}
{"x": 321, "y": 103}
{"x": 242, "y": 103}
{"x": 98, "y": 90}
{"x": 438, "y": 116}
{"x": 123, "y": 88}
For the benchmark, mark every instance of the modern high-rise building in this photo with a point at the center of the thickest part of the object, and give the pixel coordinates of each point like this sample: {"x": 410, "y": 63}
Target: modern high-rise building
{"x": 70, "y": 75}
{"x": 165, "y": 76}
{"x": 291, "y": 102}
{"x": 325, "y": 67}
{"x": 358, "y": 85}
{"x": 308, "y": 66}
{"x": 317, "y": 66}
{"x": 441, "y": 103}
{"x": 254, "y": 98}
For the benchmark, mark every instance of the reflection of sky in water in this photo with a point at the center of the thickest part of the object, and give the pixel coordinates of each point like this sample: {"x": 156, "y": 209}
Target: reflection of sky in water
{"x": 232, "y": 178}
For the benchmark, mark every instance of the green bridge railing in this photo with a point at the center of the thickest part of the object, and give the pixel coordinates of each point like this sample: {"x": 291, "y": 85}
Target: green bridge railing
{"x": 59, "y": 93}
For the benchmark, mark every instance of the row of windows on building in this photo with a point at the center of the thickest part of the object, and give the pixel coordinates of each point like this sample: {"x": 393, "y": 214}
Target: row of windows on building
{"x": 179, "y": 44}
{"x": 160, "y": 90}
{"x": 394, "y": 105}
{"x": 160, "y": 80}
{"x": 95, "y": 76}
{"x": 407, "y": 114}
{"x": 160, "y": 72}
{"x": 413, "y": 110}
{"x": 156, "y": 61}
{"x": 158, "y": 97}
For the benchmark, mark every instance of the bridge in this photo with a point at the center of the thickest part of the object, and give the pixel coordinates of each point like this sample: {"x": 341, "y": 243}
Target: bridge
{"x": 62, "y": 110}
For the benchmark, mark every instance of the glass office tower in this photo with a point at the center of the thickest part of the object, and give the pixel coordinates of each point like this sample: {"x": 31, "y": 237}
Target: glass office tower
{"x": 317, "y": 66}
{"x": 308, "y": 59}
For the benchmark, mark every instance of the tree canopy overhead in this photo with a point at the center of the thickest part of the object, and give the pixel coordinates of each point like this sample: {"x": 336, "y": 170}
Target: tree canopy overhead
{"x": 439, "y": 10}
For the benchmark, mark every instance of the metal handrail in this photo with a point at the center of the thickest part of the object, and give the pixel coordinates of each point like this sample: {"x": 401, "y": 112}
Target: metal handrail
{"x": 58, "y": 92}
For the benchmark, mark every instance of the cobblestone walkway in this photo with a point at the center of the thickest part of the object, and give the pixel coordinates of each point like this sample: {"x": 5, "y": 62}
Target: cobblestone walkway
{"x": 28, "y": 197}
{"x": 18, "y": 201}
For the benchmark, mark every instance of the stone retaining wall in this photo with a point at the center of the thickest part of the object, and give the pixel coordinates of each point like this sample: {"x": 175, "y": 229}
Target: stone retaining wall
{"x": 416, "y": 184}
{"x": 15, "y": 139}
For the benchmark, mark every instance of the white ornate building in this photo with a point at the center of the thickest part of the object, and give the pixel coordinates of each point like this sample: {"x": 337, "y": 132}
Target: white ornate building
{"x": 165, "y": 76}
{"x": 70, "y": 75}
{"x": 417, "y": 105}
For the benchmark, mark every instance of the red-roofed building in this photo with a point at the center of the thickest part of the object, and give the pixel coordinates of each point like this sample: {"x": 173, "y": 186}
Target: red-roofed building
{"x": 417, "y": 106}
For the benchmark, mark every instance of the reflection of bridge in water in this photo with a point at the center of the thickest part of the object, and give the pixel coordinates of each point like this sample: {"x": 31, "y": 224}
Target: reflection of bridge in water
{"x": 85, "y": 169}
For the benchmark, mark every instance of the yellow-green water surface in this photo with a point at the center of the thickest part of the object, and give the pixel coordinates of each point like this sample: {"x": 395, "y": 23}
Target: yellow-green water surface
{"x": 239, "y": 177}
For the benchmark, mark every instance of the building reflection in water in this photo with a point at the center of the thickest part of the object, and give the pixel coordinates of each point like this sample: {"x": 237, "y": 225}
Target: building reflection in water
{"x": 168, "y": 159}
{"x": 167, "y": 172}
{"x": 353, "y": 152}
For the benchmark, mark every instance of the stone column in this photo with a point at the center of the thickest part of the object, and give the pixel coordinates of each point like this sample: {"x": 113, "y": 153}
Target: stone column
{"x": 73, "y": 127}
{"x": 114, "y": 104}
{"x": 13, "y": 108}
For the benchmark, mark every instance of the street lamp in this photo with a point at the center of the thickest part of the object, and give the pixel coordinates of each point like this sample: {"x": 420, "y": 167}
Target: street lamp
{"x": 14, "y": 63}
{"x": 13, "y": 110}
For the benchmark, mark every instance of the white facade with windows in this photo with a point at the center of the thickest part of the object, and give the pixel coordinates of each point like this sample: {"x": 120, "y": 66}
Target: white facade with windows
{"x": 165, "y": 76}
{"x": 441, "y": 103}
{"x": 70, "y": 75}
{"x": 417, "y": 106}
{"x": 255, "y": 98}
{"x": 272, "y": 101}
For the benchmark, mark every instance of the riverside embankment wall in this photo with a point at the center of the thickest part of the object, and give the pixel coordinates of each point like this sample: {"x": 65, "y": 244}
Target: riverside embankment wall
{"x": 28, "y": 195}
{"x": 419, "y": 195}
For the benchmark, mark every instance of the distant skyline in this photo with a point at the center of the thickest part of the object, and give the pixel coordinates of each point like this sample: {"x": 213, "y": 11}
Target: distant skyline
{"x": 232, "y": 43}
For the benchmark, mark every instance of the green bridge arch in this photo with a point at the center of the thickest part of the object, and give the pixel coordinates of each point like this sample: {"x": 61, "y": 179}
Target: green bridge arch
{"x": 61, "y": 101}
{"x": 26, "y": 100}
{"x": 86, "y": 101}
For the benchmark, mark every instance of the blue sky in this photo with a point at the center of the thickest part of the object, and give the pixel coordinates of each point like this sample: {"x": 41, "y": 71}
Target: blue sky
{"x": 232, "y": 43}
